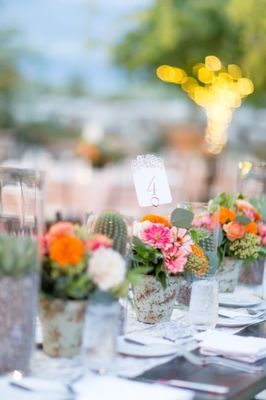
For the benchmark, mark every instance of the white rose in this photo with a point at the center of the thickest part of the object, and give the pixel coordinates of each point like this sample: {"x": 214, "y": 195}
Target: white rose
{"x": 107, "y": 268}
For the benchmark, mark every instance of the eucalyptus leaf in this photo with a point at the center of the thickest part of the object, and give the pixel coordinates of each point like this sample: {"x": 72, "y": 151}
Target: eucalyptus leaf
{"x": 181, "y": 218}
{"x": 242, "y": 219}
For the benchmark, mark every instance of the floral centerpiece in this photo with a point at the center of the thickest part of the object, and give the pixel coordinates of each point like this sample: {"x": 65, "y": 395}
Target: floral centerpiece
{"x": 165, "y": 248}
{"x": 241, "y": 236}
{"x": 75, "y": 266}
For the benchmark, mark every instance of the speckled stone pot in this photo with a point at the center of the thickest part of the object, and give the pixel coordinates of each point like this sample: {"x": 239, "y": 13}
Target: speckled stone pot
{"x": 227, "y": 274}
{"x": 62, "y": 326}
{"x": 18, "y": 310}
{"x": 252, "y": 274}
{"x": 152, "y": 302}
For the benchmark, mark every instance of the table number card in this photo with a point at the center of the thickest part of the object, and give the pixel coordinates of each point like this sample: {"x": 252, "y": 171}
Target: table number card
{"x": 150, "y": 180}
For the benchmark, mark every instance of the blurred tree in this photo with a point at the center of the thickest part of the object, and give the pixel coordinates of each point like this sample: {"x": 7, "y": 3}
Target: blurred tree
{"x": 76, "y": 86}
{"x": 182, "y": 33}
{"x": 10, "y": 77}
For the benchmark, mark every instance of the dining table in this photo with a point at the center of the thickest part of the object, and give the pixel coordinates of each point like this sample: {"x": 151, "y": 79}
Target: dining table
{"x": 150, "y": 370}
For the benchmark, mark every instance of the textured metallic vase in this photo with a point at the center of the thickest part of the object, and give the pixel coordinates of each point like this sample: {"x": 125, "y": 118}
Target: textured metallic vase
{"x": 18, "y": 310}
{"x": 227, "y": 274}
{"x": 152, "y": 302}
{"x": 62, "y": 324}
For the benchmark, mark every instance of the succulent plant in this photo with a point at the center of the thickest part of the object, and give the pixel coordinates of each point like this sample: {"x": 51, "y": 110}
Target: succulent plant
{"x": 18, "y": 255}
{"x": 113, "y": 225}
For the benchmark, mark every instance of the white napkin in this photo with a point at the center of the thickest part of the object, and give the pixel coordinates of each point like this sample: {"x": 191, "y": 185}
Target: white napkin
{"x": 112, "y": 388}
{"x": 242, "y": 348}
{"x": 147, "y": 339}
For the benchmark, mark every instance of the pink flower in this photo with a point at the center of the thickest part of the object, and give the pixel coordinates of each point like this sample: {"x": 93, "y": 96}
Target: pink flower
{"x": 43, "y": 245}
{"x": 156, "y": 235}
{"x": 204, "y": 221}
{"x": 262, "y": 233}
{"x": 175, "y": 260}
{"x": 97, "y": 241}
{"x": 184, "y": 240}
{"x": 60, "y": 229}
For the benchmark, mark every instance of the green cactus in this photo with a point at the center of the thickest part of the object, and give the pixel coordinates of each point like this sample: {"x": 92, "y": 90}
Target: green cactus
{"x": 112, "y": 224}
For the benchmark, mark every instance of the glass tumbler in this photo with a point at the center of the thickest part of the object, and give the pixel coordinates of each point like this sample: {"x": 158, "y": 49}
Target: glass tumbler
{"x": 100, "y": 334}
{"x": 203, "y": 306}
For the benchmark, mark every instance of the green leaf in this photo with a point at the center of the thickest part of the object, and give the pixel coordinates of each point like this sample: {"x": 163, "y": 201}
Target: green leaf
{"x": 242, "y": 219}
{"x": 181, "y": 218}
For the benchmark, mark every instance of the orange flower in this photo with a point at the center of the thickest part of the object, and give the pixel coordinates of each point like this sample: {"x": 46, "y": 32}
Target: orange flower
{"x": 234, "y": 230}
{"x": 197, "y": 250}
{"x": 226, "y": 215}
{"x": 156, "y": 219}
{"x": 60, "y": 229}
{"x": 251, "y": 228}
{"x": 67, "y": 250}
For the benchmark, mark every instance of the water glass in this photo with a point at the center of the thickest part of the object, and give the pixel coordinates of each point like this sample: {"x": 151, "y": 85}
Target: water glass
{"x": 21, "y": 201}
{"x": 203, "y": 306}
{"x": 100, "y": 334}
{"x": 251, "y": 180}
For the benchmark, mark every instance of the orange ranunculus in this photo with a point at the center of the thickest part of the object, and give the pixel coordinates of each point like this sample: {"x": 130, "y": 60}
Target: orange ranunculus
{"x": 251, "y": 228}
{"x": 234, "y": 230}
{"x": 59, "y": 229}
{"x": 156, "y": 219}
{"x": 67, "y": 250}
{"x": 226, "y": 215}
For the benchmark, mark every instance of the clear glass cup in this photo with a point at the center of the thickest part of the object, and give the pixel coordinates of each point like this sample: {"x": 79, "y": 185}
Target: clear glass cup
{"x": 251, "y": 180}
{"x": 21, "y": 201}
{"x": 100, "y": 334}
{"x": 203, "y": 306}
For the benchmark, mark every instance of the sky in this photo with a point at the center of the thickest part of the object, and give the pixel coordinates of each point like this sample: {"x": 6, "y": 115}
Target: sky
{"x": 71, "y": 37}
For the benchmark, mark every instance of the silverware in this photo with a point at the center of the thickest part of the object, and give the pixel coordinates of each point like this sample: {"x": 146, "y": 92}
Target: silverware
{"x": 202, "y": 387}
{"x": 198, "y": 386}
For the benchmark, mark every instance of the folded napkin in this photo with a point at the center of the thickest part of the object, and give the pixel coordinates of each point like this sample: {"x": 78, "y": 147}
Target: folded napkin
{"x": 242, "y": 348}
{"x": 112, "y": 388}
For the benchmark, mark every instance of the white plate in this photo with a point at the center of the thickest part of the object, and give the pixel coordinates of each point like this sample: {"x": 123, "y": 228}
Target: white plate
{"x": 136, "y": 350}
{"x": 238, "y": 300}
{"x": 235, "y": 322}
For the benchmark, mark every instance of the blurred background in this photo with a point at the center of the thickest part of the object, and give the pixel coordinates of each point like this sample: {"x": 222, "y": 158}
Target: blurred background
{"x": 80, "y": 98}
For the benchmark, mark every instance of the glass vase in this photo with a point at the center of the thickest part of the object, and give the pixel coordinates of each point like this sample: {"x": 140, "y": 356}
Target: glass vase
{"x": 100, "y": 334}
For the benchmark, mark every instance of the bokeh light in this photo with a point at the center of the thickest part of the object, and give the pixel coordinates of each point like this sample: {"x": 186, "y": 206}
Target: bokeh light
{"x": 219, "y": 90}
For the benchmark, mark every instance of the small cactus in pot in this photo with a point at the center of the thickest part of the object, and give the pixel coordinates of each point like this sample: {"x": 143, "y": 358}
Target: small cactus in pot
{"x": 113, "y": 225}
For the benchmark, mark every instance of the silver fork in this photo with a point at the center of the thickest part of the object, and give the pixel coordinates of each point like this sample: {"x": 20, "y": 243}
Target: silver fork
{"x": 216, "y": 360}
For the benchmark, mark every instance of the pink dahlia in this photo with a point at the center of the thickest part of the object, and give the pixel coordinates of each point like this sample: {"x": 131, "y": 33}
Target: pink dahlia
{"x": 156, "y": 235}
{"x": 98, "y": 241}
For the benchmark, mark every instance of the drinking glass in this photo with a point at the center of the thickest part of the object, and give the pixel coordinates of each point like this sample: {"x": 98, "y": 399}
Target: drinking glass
{"x": 21, "y": 194}
{"x": 203, "y": 306}
{"x": 251, "y": 180}
{"x": 100, "y": 334}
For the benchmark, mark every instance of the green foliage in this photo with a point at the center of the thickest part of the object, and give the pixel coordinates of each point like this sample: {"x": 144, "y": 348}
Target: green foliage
{"x": 222, "y": 200}
{"x": 242, "y": 219}
{"x": 181, "y": 218}
{"x": 18, "y": 256}
{"x": 182, "y": 33}
{"x": 113, "y": 225}
{"x": 148, "y": 260}
{"x": 66, "y": 282}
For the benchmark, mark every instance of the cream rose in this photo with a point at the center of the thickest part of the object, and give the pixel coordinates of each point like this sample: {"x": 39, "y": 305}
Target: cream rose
{"x": 107, "y": 269}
